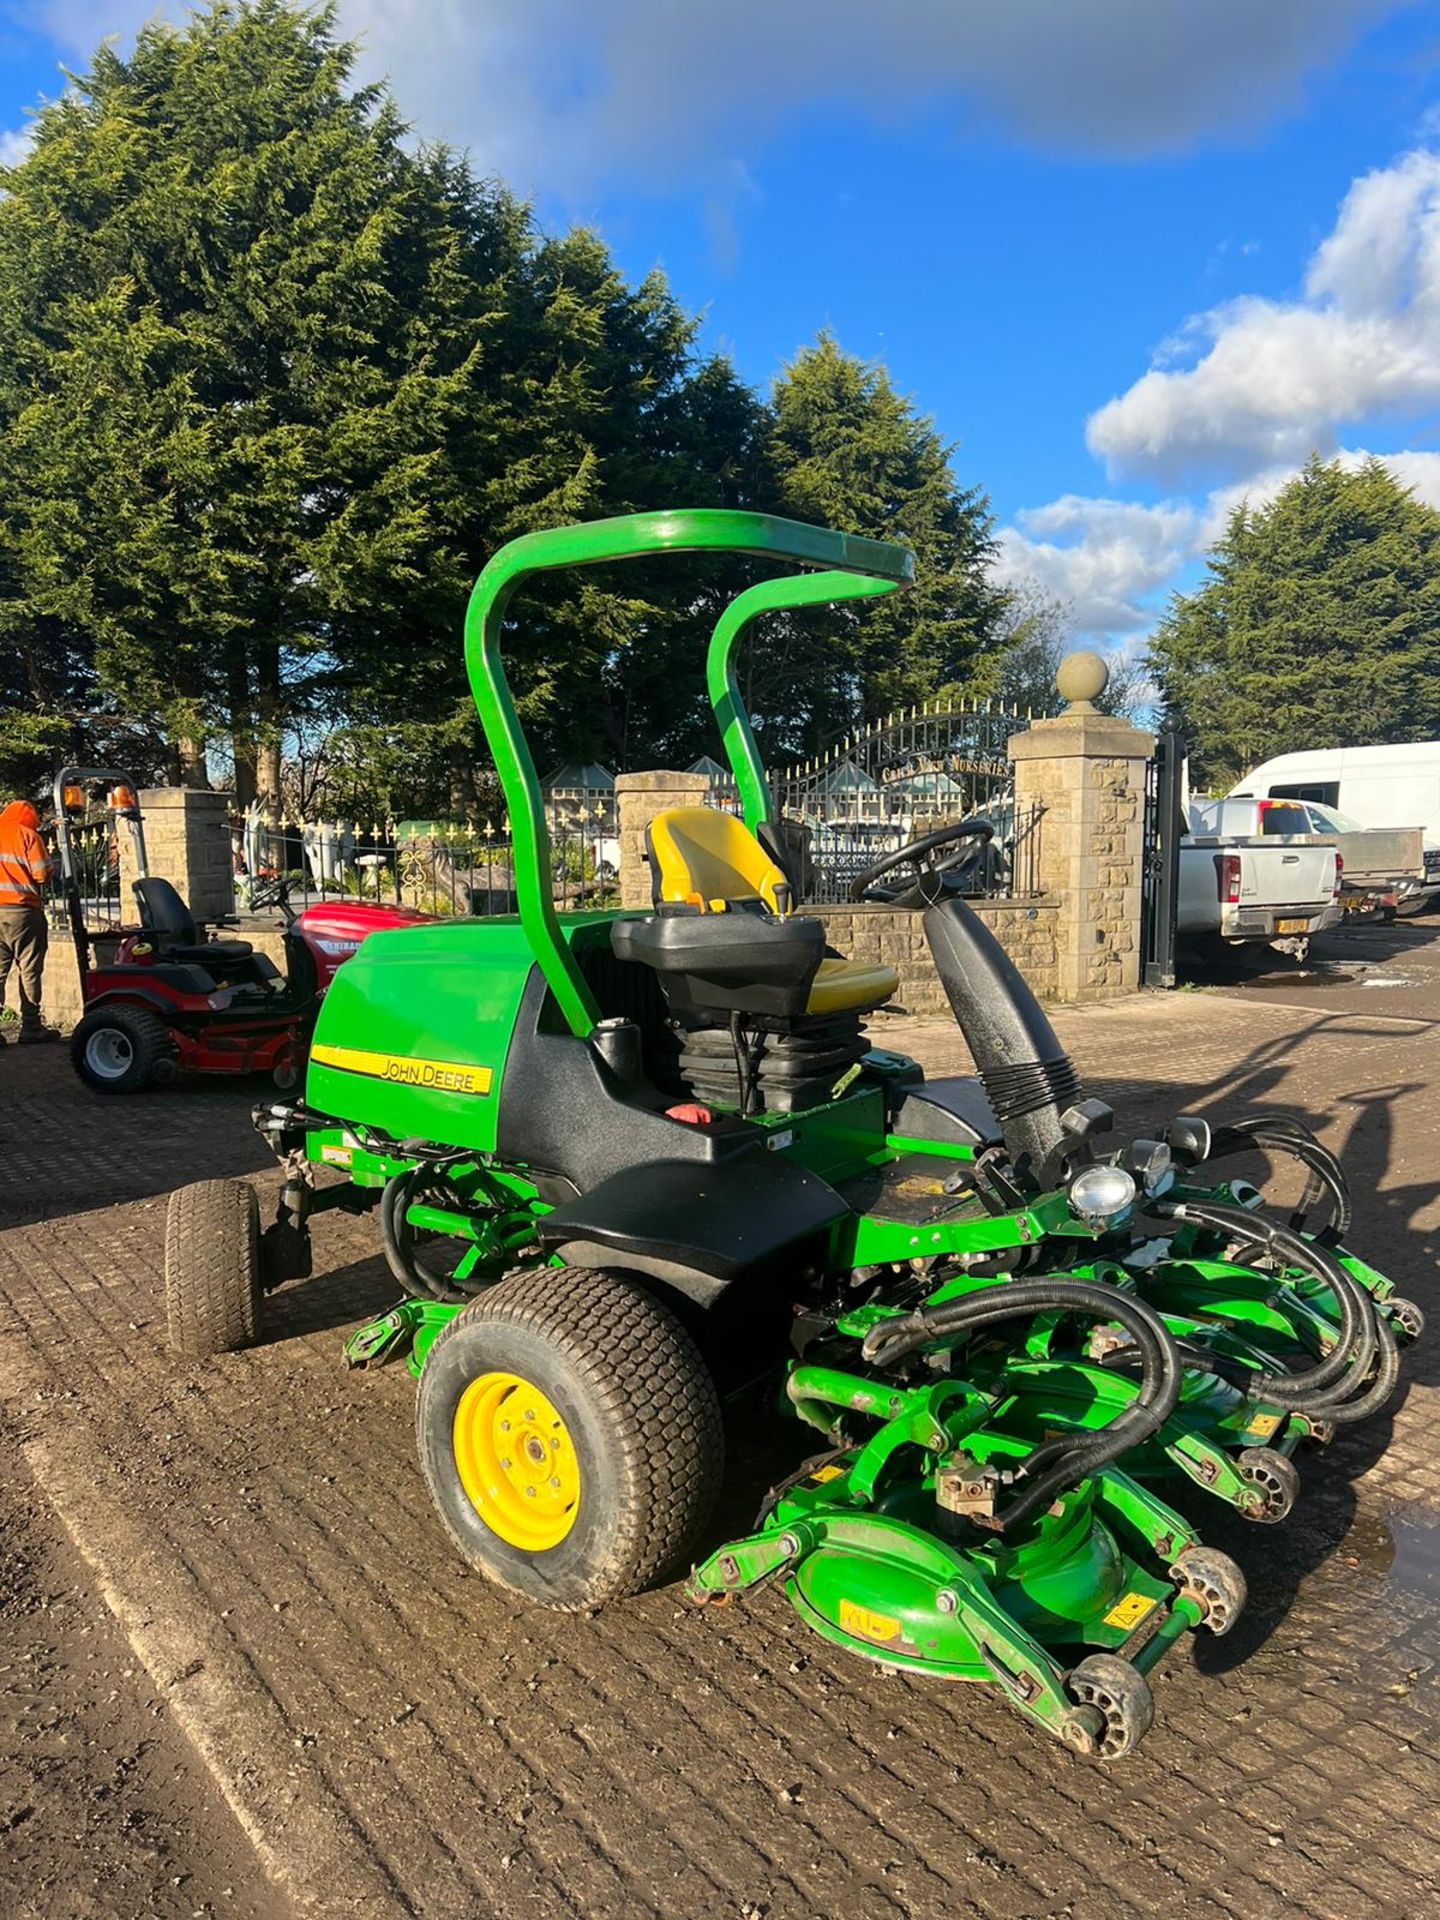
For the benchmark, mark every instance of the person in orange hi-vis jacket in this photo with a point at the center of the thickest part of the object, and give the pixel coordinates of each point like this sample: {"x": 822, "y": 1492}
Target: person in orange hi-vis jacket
{"x": 24, "y": 870}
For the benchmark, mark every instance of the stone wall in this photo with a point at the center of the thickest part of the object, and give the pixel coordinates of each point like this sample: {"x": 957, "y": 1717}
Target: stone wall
{"x": 1025, "y": 928}
{"x": 187, "y": 842}
{"x": 639, "y": 797}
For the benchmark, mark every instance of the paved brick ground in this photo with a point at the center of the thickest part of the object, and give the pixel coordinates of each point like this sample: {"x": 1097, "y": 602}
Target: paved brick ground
{"x": 400, "y": 1738}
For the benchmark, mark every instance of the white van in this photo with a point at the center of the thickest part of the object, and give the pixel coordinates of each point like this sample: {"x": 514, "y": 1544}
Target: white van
{"x": 1377, "y": 786}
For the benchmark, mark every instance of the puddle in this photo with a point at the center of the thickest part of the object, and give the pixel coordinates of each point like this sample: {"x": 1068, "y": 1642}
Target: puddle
{"x": 1301, "y": 977}
{"x": 1322, "y": 973}
{"x": 1405, "y": 1554}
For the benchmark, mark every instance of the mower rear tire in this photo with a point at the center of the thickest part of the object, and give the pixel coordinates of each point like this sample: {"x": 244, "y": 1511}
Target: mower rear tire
{"x": 212, "y": 1268}
{"x": 570, "y": 1435}
{"x": 121, "y": 1049}
{"x": 1273, "y": 1476}
{"x": 1118, "y": 1698}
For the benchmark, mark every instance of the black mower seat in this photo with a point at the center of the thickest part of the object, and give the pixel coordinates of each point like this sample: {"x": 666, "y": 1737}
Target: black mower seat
{"x": 209, "y": 952}
{"x": 726, "y": 962}
{"x": 724, "y": 924}
{"x": 164, "y": 914}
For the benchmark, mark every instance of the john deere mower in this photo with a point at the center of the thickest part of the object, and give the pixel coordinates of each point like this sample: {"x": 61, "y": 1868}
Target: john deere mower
{"x": 625, "y": 1163}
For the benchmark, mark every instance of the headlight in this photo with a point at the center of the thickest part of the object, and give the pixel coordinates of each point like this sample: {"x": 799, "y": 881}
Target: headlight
{"x": 1149, "y": 1161}
{"x": 1100, "y": 1193}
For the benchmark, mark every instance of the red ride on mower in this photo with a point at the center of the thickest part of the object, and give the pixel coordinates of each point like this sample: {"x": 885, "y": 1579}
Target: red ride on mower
{"x": 164, "y": 997}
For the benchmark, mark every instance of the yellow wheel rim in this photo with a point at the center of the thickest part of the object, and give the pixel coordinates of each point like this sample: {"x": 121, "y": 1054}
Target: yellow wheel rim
{"x": 516, "y": 1461}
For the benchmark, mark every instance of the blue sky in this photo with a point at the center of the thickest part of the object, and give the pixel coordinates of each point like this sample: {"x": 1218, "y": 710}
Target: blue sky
{"x": 1136, "y": 258}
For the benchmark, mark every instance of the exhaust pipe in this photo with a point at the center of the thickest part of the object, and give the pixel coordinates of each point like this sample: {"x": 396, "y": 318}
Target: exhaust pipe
{"x": 1028, "y": 1075}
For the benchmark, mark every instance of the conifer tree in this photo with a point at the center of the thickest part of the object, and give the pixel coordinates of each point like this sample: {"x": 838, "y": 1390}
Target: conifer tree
{"x": 219, "y": 373}
{"x": 847, "y": 450}
{"x": 1317, "y": 625}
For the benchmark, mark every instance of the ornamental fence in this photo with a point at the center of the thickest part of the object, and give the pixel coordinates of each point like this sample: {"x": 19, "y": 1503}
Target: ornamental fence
{"x": 845, "y": 810}
{"x": 437, "y": 866}
{"x": 903, "y": 777}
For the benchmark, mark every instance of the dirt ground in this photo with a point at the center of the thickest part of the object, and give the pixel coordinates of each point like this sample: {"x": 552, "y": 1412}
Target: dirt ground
{"x": 105, "y": 1808}
{"x": 243, "y": 1670}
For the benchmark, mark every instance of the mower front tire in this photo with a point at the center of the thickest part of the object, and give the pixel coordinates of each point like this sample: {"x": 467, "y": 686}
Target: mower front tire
{"x": 212, "y": 1268}
{"x": 121, "y": 1049}
{"x": 570, "y": 1435}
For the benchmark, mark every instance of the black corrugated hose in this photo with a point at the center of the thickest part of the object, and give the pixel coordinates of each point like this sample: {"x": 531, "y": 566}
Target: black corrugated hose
{"x": 1329, "y": 1389}
{"x": 1076, "y": 1456}
{"x": 1283, "y": 1133}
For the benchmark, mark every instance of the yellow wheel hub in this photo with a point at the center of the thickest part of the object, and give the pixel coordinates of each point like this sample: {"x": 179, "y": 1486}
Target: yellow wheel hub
{"x": 516, "y": 1461}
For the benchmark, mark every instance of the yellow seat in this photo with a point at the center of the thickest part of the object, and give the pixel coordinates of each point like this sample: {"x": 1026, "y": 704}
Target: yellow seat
{"x": 702, "y": 858}
{"x": 709, "y": 860}
{"x": 843, "y": 986}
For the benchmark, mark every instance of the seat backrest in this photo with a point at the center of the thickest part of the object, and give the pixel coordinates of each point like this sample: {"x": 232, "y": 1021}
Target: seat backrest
{"x": 699, "y": 856}
{"x": 164, "y": 913}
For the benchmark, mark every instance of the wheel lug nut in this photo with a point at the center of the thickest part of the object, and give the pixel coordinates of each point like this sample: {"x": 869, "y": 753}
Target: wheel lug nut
{"x": 506, "y": 1465}
{"x": 504, "y": 1426}
{"x": 554, "y": 1480}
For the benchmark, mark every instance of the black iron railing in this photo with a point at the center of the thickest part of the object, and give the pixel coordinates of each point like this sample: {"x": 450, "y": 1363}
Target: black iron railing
{"x": 439, "y": 866}
{"x": 902, "y": 778}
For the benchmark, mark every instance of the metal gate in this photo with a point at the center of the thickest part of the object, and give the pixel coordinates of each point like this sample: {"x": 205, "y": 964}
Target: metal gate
{"x": 903, "y": 777}
{"x": 1160, "y": 872}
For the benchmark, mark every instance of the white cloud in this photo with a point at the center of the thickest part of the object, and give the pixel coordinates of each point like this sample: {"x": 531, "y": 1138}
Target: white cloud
{"x": 1278, "y": 379}
{"x": 15, "y": 143}
{"x": 568, "y": 95}
{"x": 1102, "y": 557}
{"x": 1418, "y": 471}
{"x": 1113, "y": 561}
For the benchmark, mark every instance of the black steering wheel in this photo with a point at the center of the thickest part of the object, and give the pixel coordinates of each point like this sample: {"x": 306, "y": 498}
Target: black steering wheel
{"x": 271, "y": 890}
{"x": 918, "y": 854}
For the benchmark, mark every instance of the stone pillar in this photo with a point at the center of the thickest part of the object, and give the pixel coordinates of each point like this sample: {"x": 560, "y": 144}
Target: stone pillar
{"x": 639, "y": 797}
{"x": 1087, "y": 770}
{"x": 187, "y": 842}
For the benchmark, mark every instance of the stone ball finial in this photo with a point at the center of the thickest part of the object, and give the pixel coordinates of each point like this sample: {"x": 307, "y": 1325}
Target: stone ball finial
{"x": 1080, "y": 679}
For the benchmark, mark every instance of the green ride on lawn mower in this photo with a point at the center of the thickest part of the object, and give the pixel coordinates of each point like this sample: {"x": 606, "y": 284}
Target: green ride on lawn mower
{"x": 671, "y": 1163}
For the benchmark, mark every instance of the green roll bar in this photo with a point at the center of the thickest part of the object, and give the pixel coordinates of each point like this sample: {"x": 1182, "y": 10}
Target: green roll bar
{"x": 771, "y": 596}
{"x": 855, "y": 568}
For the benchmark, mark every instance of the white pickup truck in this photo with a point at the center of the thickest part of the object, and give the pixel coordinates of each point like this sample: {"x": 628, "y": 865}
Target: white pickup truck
{"x": 1279, "y": 887}
{"x": 1379, "y": 866}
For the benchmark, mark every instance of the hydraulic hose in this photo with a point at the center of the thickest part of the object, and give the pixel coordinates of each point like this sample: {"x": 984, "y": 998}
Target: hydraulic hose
{"x": 397, "y": 1238}
{"x": 1387, "y": 1375}
{"x": 1340, "y": 1412}
{"x": 1283, "y": 1133}
{"x": 1358, "y": 1340}
{"x": 1320, "y": 1261}
{"x": 1079, "y": 1456}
